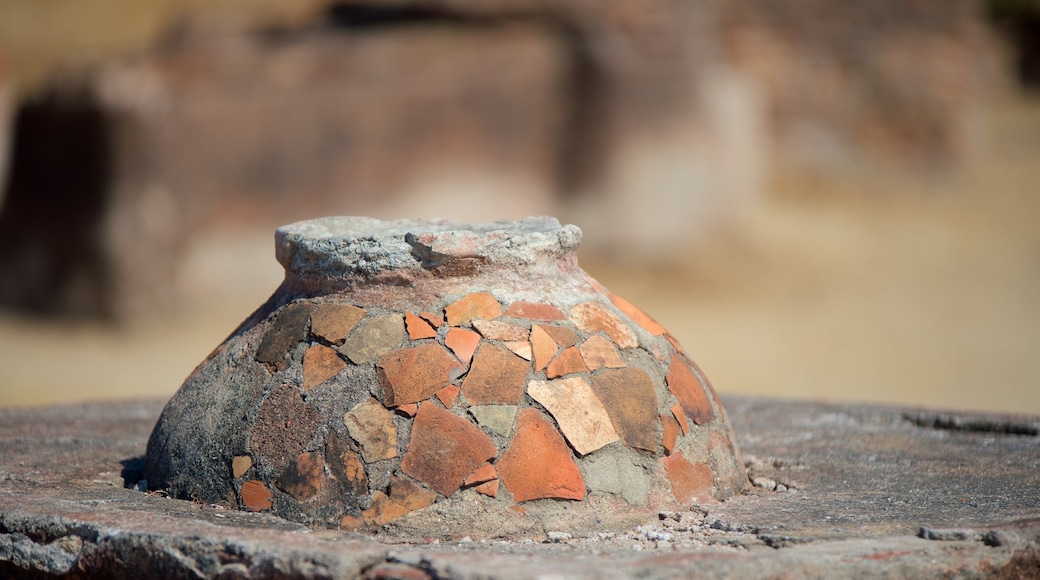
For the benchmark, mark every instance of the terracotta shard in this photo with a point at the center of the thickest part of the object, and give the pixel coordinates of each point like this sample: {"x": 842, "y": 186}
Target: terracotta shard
{"x": 410, "y": 375}
{"x": 484, "y": 473}
{"x": 580, "y": 415}
{"x": 684, "y": 385}
{"x": 543, "y": 347}
{"x": 535, "y": 311}
{"x": 408, "y": 410}
{"x": 284, "y": 425}
{"x": 240, "y": 465}
{"x": 489, "y": 488}
{"x": 418, "y": 328}
{"x": 471, "y": 306}
{"x": 255, "y": 496}
{"x": 373, "y": 338}
{"x": 593, "y": 317}
{"x": 333, "y": 322}
{"x": 677, "y": 412}
{"x": 629, "y": 397}
{"x": 434, "y": 318}
{"x": 462, "y": 342}
{"x": 538, "y": 463}
{"x": 496, "y": 377}
{"x": 598, "y": 352}
{"x": 500, "y": 330}
{"x": 405, "y": 497}
{"x": 320, "y": 363}
{"x": 372, "y": 426}
{"x": 383, "y": 511}
{"x": 288, "y": 329}
{"x": 303, "y": 478}
{"x": 520, "y": 349}
{"x": 444, "y": 449}
{"x": 344, "y": 461}
{"x": 567, "y": 362}
{"x": 562, "y": 336}
{"x": 447, "y": 396}
{"x": 691, "y": 482}
{"x": 637, "y": 315}
{"x": 671, "y": 432}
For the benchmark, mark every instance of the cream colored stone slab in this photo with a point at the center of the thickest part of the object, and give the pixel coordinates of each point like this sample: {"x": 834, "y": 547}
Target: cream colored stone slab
{"x": 579, "y": 413}
{"x": 521, "y": 349}
{"x": 240, "y": 465}
{"x": 372, "y": 426}
{"x": 599, "y": 352}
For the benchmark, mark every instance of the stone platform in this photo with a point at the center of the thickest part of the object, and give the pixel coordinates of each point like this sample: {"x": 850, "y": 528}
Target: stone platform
{"x": 841, "y": 491}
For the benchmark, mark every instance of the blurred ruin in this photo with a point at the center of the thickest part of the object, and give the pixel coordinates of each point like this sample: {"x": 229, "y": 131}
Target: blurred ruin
{"x": 178, "y": 129}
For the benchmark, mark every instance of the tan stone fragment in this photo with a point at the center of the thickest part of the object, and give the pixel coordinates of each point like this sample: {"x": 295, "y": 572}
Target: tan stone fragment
{"x": 579, "y": 413}
{"x": 410, "y": 375}
{"x": 333, "y": 322}
{"x": 320, "y": 363}
{"x": 543, "y": 347}
{"x": 405, "y": 497}
{"x": 566, "y": 363}
{"x": 497, "y": 376}
{"x": 240, "y": 465}
{"x": 472, "y": 306}
{"x": 373, "y": 338}
{"x": 593, "y": 317}
{"x": 501, "y": 330}
{"x": 561, "y": 335}
{"x": 520, "y": 349}
{"x": 372, "y": 426}
{"x": 598, "y": 352}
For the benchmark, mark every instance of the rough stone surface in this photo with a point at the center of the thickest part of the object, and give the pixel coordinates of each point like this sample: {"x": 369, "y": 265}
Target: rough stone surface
{"x": 333, "y": 322}
{"x": 284, "y": 425}
{"x": 593, "y": 317}
{"x": 478, "y": 305}
{"x": 320, "y": 363}
{"x": 444, "y": 449}
{"x": 372, "y": 426}
{"x": 498, "y": 418}
{"x": 497, "y": 376}
{"x": 373, "y": 338}
{"x": 538, "y": 463}
{"x": 629, "y": 398}
{"x": 412, "y": 374}
{"x": 616, "y": 474}
{"x": 577, "y": 411}
{"x": 685, "y": 386}
{"x": 78, "y": 518}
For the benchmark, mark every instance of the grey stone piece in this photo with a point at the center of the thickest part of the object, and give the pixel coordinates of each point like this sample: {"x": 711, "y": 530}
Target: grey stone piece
{"x": 498, "y": 418}
{"x": 373, "y": 338}
{"x": 611, "y": 470}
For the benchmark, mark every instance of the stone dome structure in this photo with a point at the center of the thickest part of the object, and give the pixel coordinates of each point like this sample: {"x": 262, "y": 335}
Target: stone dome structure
{"x": 473, "y": 368}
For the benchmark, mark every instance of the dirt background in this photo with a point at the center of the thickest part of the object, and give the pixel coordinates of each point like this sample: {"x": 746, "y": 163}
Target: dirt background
{"x": 922, "y": 293}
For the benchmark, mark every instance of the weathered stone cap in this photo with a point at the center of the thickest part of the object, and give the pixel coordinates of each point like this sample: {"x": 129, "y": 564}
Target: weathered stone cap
{"x": 349, "y": 247}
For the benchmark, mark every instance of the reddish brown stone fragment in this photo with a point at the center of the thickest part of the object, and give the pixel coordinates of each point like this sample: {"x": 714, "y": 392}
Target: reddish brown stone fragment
{"x": 288, "y": 329}
{"x": 284, "y": 425}
{"x": 531, "y": 311}
{"x": 483, "y": 474}
{"x": 567, "y": 362}
{"x": 303, "y": 478}
{"x": 333, "y": 322}
{"x": 691, "y": 482}
{"x": 538, "y": 463}
{"x": 320, "y": 363}
{"x": 407, "y": 410}
{"x": 501, "y": 330}
{"x": 372, "y": 426}
{"x": 410, "y": 375}
{"x": 444, "y": 449}
{"x": 255, "y": 496}
{"x": 417, "y": 327}
{"x": 593, "y": 317}
{"x": 434, "y": 318}
{"x": 671, "y": 432}
{"x": 629, "y": 397}
{"x": 341, "y": 455}
{"x": 447, "y": 396}
{"x": 677, "y": 412}
{"x": 476, "y": 305}
{"x": 599, "y": 353}
{"x": 637, "y": 315}
{"x": 462, "y": 342}
{"x": 497, "y": 377}
{"x": 543, "y": 347}
{"x": 384, "y": 510}
{"x": 687, "y": 388}
{"x": 561, "y": 335}
{"x": 488, "y": 488}
{"x": 240, "y": 465}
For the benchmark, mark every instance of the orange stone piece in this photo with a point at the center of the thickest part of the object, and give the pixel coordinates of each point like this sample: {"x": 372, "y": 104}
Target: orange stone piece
{"x": 629, "y": 397}
{"x": 501, "y": 330}
{"x": 462, "y": 342}
{"x": 567, "y": 362}
{"x": 488, "y": 488}
{"x": 333, "y": 322}
{"x": 593, "y": 317}
{"x": 543, "y": 347}
{"x": 564, "y": 337}
{"x": 483, "y": 474}
{"x": 434, "y": 318}
{"x": 637, "y": 315}
{"x": 303, "y": 478}
{"x": 521, "y": 349}
{"x": 532, "y": 311}
{"x": 410, "y": 375}
{"x": 408, "y": 410}
{"x": 538, "y": 463}
{"x": 497, "y": 377}
{"x": 688, "y": 389}
{"x": 255, "y": 496}
{"x": 320, "y": 363}
{"x": 599, "y": 353}
{"x": 476, "y": 305}
{"x": 677, "y": 412}
{"x": 671, "y": 432}
{"x": 691, "y": 482}
{"x": 444, "y": 449}
{"x": 417, "y": 327}
{"x": 447, "y": 396}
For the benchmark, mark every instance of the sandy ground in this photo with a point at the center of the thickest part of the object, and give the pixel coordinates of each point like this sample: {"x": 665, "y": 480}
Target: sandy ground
{"x": 909, "y": 293}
